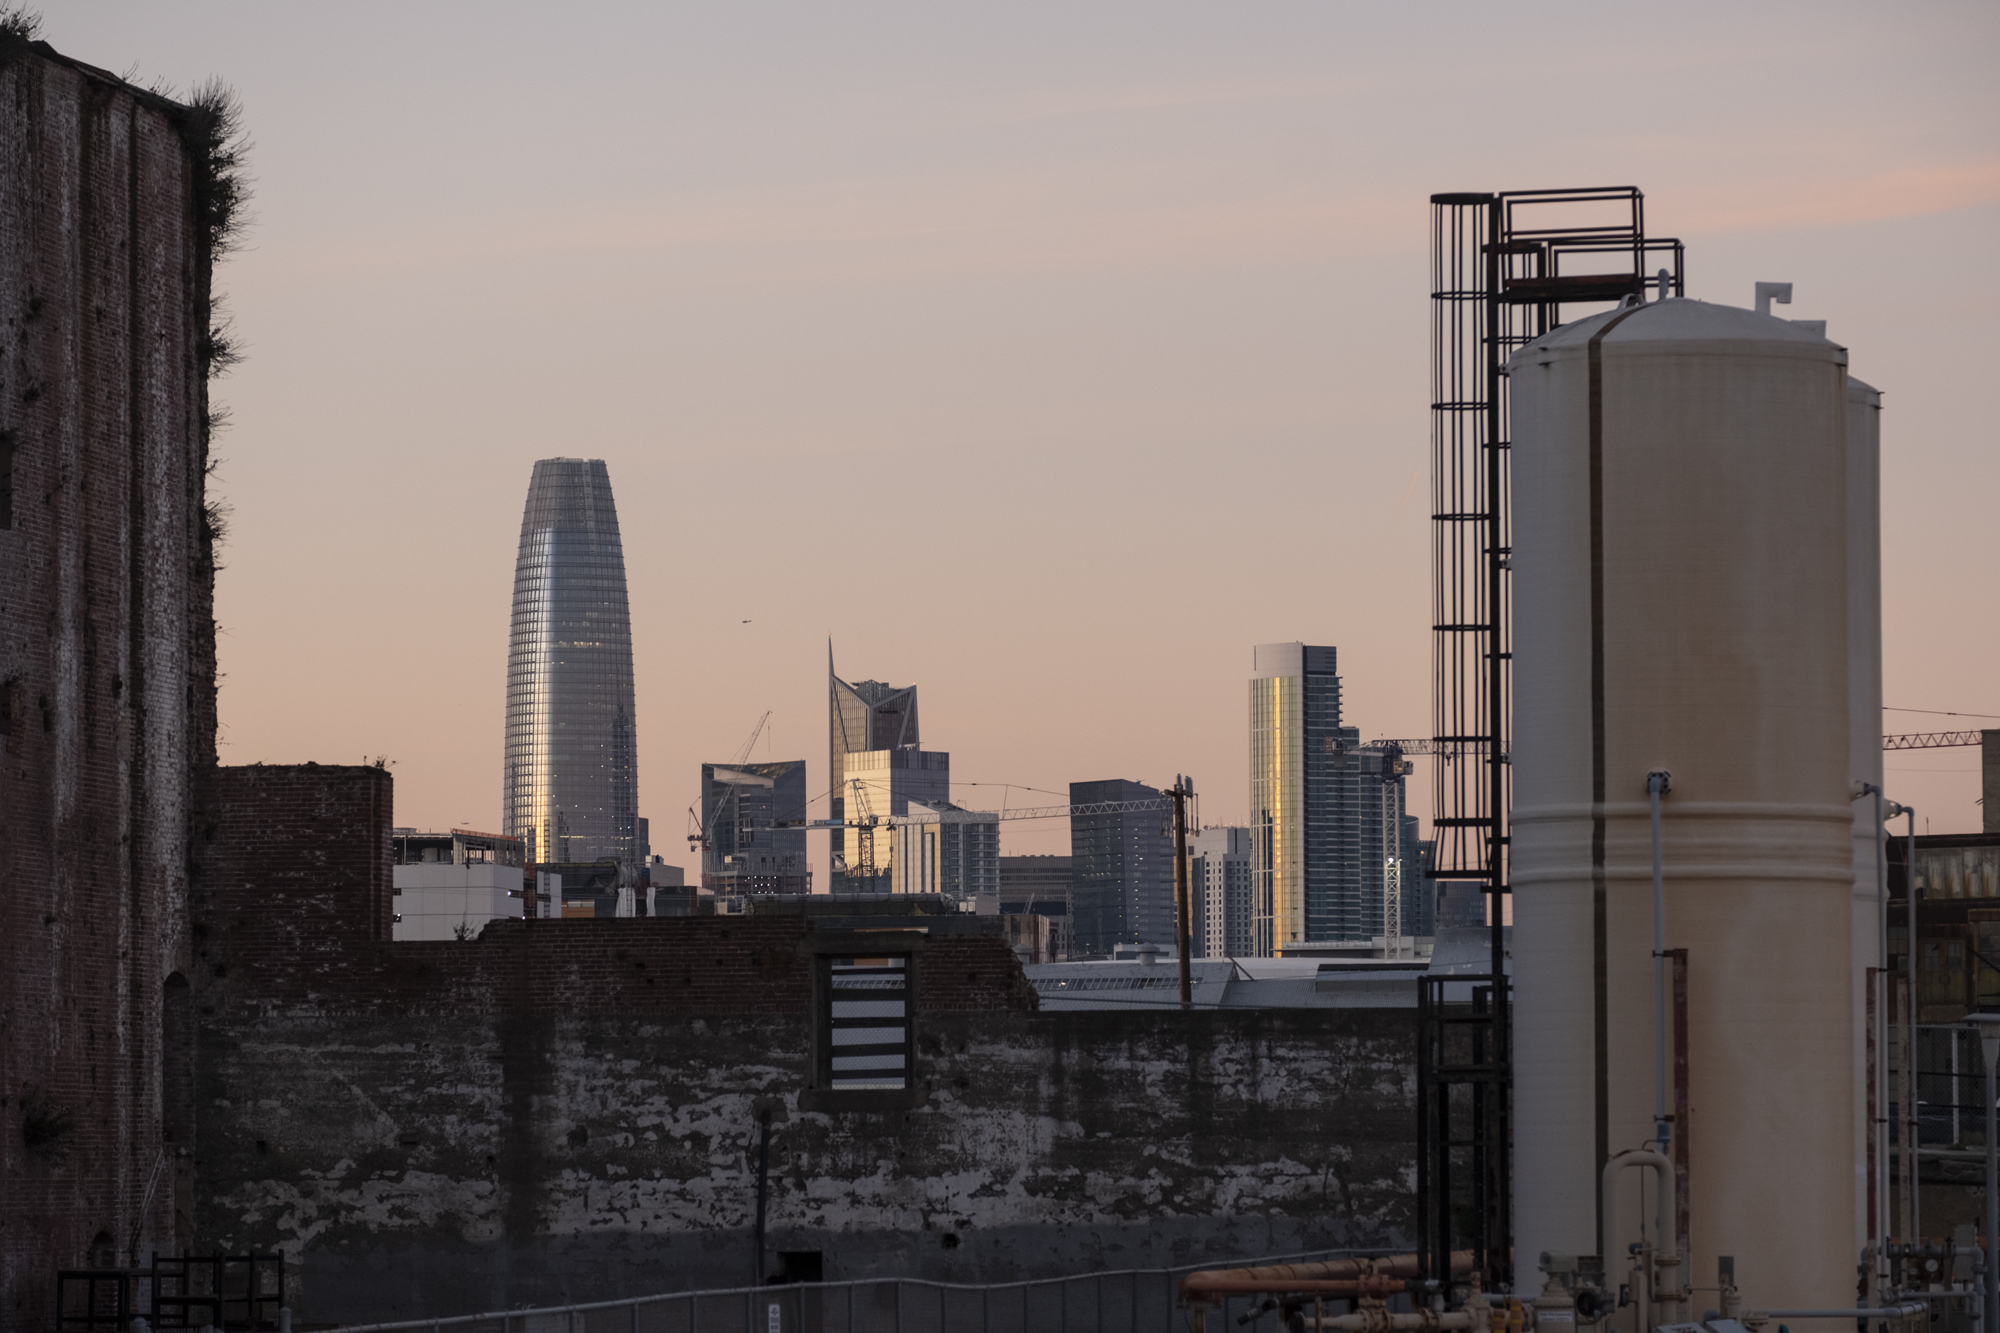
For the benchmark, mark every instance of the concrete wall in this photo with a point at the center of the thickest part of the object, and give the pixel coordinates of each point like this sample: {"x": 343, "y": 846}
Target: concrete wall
{"x": 567, "y": 1109}
{"x": 107, "y": 684}
{"x": 445, "y": 901}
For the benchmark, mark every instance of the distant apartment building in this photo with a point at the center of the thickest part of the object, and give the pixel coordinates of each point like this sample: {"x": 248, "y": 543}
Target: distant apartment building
{"x": 1122, "y": 868}
{"x": 1219, "y": 889}
{"x": 1390, "y": 886}
{"x": 589, "y": 889}
{"x": 753, "y": 828}
{"x": 1332, "y": 857}
{"x": 1040, "y": 886}
{"x": 1422, "y": 854}
{"x": 862, "y": 717}
{"x": 449, "y": 885}
{"x": 881, "y": 783}
{"x": 947, "y": 850}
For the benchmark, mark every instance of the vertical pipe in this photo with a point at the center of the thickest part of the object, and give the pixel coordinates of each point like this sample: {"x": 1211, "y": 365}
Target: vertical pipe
{"x": 1911, "y": 1135}
{"x": 1656, "y": 786}
{"x": 763, "y": 1190}
{"x": 1683, "y": 1170}
{"x": 1183, "y": 922}
{"x": 1992, "y": 1259}
{"x": 1879, "y": 1030}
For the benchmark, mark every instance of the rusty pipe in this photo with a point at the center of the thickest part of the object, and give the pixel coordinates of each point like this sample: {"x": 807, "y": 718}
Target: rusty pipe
{"x": 1379, "y": 1320}
{"x": 1275, "y": 1277}
{"x": 1338, "y": 1286}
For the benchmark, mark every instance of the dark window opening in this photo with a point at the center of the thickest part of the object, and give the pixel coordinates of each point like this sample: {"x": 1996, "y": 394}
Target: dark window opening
{"x": 865, "y": 1022}
{"x": 177, "y": 1062}
{"x": 799, "y": 1266}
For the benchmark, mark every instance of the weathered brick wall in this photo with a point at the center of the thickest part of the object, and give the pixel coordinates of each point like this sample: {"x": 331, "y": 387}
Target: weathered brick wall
{"x": 106, "y": 659}
{"x": 567, "y": 1109}
{"x": 417, "y": 1165}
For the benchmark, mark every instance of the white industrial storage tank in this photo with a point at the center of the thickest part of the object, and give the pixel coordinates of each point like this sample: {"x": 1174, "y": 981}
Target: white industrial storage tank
{"x": 1681, "y": 575}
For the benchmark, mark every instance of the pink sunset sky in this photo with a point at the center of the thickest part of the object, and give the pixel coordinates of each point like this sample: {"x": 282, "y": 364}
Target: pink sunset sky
{"x": 1048, "y": 356}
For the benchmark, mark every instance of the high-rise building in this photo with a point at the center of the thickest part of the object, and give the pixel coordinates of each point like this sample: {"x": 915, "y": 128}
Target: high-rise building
{"x": 1122, "y": 871}
{"x": 864, "y": 716}
{"x": 572, "y": 770}
{"x": 1327, "y": 813}
{"x": 882, "y": 783}
{"x": 1388, "y": 897}
{"x": 947, "y": 850}
{"x": 753, "y": 821}
{"x": 1417, "y": 854}
{"x": 1296, "y": 753}
{"x": 1219, "y": 890}
{"x": 1040, "y": 886}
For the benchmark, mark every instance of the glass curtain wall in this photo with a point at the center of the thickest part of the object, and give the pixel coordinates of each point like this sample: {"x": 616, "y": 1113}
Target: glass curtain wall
{"x": 1306, "y": 864}
{"x": 570, "y": 785}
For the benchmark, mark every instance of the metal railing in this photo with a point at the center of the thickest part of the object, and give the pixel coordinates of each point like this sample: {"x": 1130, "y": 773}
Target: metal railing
{"x": 1129, "y": 1300}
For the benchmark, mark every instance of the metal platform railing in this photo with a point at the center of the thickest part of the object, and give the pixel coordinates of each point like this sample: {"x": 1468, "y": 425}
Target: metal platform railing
{"x": 1130, "y": 1300}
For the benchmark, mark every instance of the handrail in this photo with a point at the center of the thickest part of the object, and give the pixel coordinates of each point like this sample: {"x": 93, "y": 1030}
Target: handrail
{"x": 450, "y": 1321}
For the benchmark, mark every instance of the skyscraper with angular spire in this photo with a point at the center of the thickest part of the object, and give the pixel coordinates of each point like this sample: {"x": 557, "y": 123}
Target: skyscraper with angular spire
{"x": 571, "y": 784}
{"x": 867, "y": 715}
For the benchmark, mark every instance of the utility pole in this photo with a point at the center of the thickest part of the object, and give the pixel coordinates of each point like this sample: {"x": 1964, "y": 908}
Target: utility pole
{"x": 1182, "y": 789}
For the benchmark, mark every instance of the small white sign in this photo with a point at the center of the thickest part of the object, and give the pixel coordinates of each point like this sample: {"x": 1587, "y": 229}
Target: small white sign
{"x": 776, "y": 1322}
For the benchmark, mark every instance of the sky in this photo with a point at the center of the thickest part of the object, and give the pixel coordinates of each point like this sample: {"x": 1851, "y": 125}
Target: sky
{"x": 1048, "y": 356}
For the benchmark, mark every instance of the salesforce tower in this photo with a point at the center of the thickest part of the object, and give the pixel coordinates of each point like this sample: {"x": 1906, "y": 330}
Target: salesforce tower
{"x": 571, "y": 780}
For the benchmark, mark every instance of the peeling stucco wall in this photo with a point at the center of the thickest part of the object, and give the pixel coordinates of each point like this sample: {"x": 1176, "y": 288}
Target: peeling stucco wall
{"x": 423, "y": 1166}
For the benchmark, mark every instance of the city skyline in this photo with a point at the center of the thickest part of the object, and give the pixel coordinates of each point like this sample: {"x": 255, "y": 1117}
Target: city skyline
{"x": 1043, "y": 295}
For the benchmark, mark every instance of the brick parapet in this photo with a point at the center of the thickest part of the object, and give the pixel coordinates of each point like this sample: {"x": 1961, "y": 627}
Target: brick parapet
{"x": 295, "y": 913}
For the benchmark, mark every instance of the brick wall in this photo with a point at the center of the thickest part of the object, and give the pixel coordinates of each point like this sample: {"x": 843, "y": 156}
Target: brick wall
{"x": 106, "y": 660}
{"x": 567, "y": 1110}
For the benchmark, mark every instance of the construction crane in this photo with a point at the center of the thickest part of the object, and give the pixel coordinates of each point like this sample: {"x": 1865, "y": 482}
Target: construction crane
{"x": 743, "y": 755}
{"x": 1148, "y": 805}
{"x": 865, "y": 820}
{"x": 698, "y": 828}
{"x": 1932, "y": 740}
{"x": 1451, "y": 745}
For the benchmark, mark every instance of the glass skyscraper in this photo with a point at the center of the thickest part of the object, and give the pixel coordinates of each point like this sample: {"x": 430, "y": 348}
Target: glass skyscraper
{"x": 1331, "y": 845}
{"x": 1297, "y": 749}
{"x": 1122, "y": 871}
{"x": 571, "y": 784}
{"x": 865, "y": 716}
